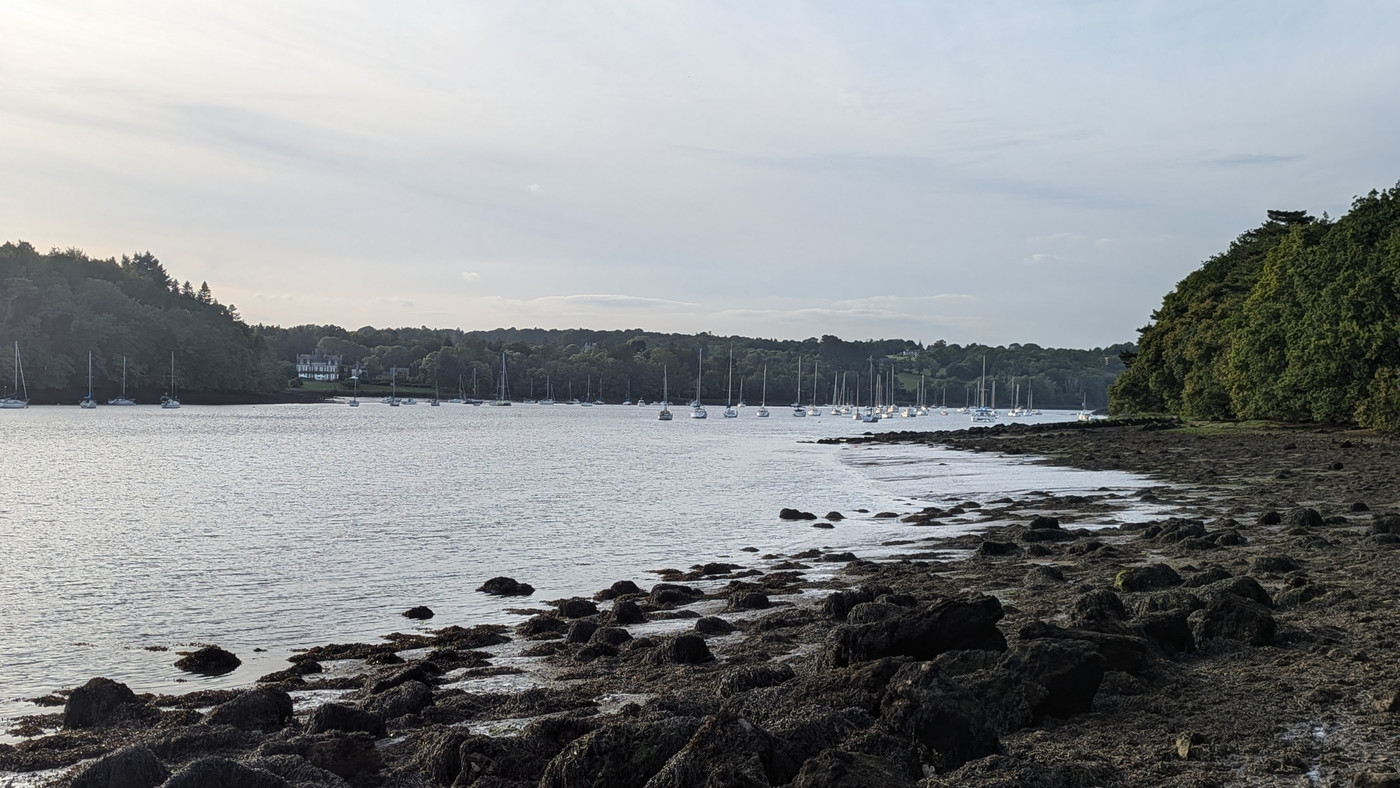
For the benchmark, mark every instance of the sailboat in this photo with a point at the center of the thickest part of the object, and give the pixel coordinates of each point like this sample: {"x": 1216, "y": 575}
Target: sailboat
{"x": 587, "y": 401}
{"x": 393, "y": 399}
{"x": 797, "y": 409}
{"x": 697, "y": 411}
{"x": 461, "y": 397}
{"x": 548, "y": 391}
{"x": 355, "y": 391}
{"x": 763, "y": 403}
{"x": 665, "y": 414}
{"x": 983, "y": 413}
{"x": 501, "y": 398}
{"x": 169, "y": 401}
{"x": 435, "y": 402}
{"x": 122, "y": 400}
{"x": 813, "y": 410}
{"x": 88, "y": 402}
{"x": 13, "y": 401}
{"x": 1084, "y": 414}
{"x": 872, "y": 411}
{"x": 729, "y": 411}
{"x": 473, "y": 399}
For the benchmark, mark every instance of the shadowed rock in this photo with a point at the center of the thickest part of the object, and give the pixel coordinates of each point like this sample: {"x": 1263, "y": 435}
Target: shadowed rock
{"x": 129, "y": 767}
{"x": 506, "y": 586}
{"x": 209, "y": 661}
{"x": 262, "y": 709}
{"x": 100, "y": 702}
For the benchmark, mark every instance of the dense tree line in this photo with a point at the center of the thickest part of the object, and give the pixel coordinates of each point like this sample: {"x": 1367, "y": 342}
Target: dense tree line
{"x": 579, "y": 363}
{"x": 63, "y": 304}
{"x": 1296, "y": 321}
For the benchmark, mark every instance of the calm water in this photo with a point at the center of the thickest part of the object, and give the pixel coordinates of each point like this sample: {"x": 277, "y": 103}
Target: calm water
{"x": 277, "y": 527}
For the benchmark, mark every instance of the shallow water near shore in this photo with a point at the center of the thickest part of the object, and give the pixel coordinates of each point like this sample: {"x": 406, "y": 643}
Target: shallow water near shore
{"x": 131, "y": 533}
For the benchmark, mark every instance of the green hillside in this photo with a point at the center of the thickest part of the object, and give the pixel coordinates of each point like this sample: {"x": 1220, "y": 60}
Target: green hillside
{"x": 1295, "y": 322}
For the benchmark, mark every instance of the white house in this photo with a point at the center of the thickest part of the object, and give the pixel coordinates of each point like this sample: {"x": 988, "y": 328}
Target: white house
{"x": 318, "y": 366}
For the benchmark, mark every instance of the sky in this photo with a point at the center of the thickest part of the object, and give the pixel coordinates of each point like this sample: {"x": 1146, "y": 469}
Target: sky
{"x": 989, "y": 172}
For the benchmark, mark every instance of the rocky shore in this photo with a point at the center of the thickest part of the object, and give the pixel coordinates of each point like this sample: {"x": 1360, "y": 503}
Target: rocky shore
{"x": 1248, "y": 639}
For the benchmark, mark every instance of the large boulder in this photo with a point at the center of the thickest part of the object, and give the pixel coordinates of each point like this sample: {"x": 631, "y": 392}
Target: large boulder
{"x": 1044, "y": 677}
{"x": 577, "y": 607}
{"x": 352, "y": 756}
{"x": 409, "y": 697}
{"x": 1233, "y": 617}
{"x": 839, "y": 603}
{"x": 209, "y": 661}
{"x": 298, "y": 771}
{"x": 627, "y": 612}
{"x": 944, "y": 716}
{"x": 188, "y": 741}
{"x": 745, "y": 678}
{"x": 924, "y": 633}
{"x": 622, "y": 754}
{"x": 129, "y": 767}
{"x": 99, "y": 702}
{"x": 1098, "y": 609}
{"x": 841, "y": 769}
{"x": 216, "y": 772}
{"x": 725, "y": 750}
{"x": 334, "y": 716}
{"x": 687, "y": 649}
{"x": 262, "y": 709}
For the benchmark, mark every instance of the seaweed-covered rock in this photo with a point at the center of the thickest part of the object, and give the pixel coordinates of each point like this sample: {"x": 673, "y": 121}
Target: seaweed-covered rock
{"x": 263, "y": 709}
{"x": 749, "y": 600}
{"x": 743, "y": 679}
{"x": 688, "y": 649}
{"x": 837, "y": 604}
{"x": 209, "y": 661}
{"x": 625, "y": 612}
{"x": 725, "y": 750}
{"x": 298, "y": 771}
{"x": 334, "y": 716}
{"x": 506, "y": 586}
{"x": 1147, "y": 578}
{"x": 1098, "y": 609}
{"x": 1272, "y": 564}
{"x": 217, "y": 772}
{"x": 99, "y": 702}
{"x": 577, "y": 608}
{"x": 129, "y": 767}
{"x": 1233, "y": 618}
{"x": 624, "y": 754}
{"x": 962, "y": 623}
{"x": 410, "y": 697}
{"x": 941, "y": 714}
{"x": 713, "y": 625}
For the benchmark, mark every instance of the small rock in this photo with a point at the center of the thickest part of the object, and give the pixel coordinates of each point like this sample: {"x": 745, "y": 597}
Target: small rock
{"x": 795, "y": 514}
{"x": 505, "y": 586}
{"x": 419, "y": 613}
{"x": 837, "y": 516}
{"x": 209, "y": 661}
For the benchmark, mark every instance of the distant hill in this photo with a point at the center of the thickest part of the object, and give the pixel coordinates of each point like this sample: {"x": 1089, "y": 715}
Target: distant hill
{"x": 631, "y": 362}
{"x": 63, "y": 304}
{"x": 1297, "y": 321}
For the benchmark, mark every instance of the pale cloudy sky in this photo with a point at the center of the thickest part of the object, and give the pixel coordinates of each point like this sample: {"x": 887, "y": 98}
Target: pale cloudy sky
{"x": 990, "y": 171}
